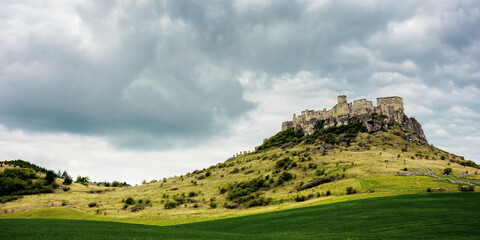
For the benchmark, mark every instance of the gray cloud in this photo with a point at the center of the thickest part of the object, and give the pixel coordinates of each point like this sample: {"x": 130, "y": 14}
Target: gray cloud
{"x": 157, "y": 73}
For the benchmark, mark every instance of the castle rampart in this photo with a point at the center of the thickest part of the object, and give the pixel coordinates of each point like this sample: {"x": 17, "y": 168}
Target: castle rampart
{"x": 391, "y": 107}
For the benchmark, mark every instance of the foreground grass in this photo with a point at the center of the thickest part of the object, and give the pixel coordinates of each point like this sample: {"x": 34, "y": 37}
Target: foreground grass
{"x": 419, "y": 216}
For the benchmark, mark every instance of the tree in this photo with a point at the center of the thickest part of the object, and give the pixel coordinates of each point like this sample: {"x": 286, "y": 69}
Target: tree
{"x": 447, "y": 171}
{"x": 83, "y": 180}
{"x": 67, "y": 180}
{"x": 64, "y": 174}
{"x": 50, "y": 177}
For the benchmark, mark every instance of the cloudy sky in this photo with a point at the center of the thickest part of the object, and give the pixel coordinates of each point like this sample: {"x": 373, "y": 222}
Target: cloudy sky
{"x": 150, "y": 89}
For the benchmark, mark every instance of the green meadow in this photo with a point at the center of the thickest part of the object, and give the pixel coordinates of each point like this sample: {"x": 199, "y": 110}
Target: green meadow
{"x": 414, "y": 216}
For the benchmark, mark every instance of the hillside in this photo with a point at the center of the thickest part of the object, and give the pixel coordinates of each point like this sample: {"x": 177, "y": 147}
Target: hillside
{"x": 288, "y": 170}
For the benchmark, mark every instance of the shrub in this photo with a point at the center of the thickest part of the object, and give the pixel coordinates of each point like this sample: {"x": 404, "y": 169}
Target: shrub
{"x": 230, "y": 205}
{"x": 300, "y": 198}
{"x": 65, "y": 189}
{"x": 64, "y": 202}
{"x": 192, "y": 194}
{"x": 285, "y": 163}
{"x": 315, "y": 182}
{"x": 261, "y": 201}
{"x": 213, "y": 205}
{"x": 328, "y": 193}
{"x": 138, "y": 207}
{"x": 447, "y": 171}
{"x": 129, "y": 201}
{"x": 241, "y": 192}
{"x": 92, "y": 204}
{"x": 235, "y": 170}
{"x": 350, "y": 190}
{"x": 68, "y": 180}
{"x": 179, "y": 199}
{"x": 170, "y": 205}
{"x": 320, "y": 172}
{"x": 467, "y": 188}
{"x": 286, "y": 176}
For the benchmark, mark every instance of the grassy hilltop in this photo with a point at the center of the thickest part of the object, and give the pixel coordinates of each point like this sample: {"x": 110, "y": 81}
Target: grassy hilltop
{"x": 289, "y": 170}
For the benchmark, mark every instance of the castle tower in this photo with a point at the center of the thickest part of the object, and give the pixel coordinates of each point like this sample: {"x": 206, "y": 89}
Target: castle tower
{"x": 342, "y": 99}
{"x": 391, "y": 107}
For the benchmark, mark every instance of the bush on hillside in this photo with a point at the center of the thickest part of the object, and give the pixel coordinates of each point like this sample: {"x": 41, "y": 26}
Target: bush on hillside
{"x": 301, "y": 198}
{"x": 129, "y": 201}
{"x": 67, "y": 180}
{"x": 350, "y": 190}
{"x": 466, "y": 188}
{"x": 285, "y": 163}
{"x": 261, "y": 201}
{"x": 170, "y": 205}
{"x": 286, "y": 176}
{"x": 315, "y": 182}
{"x": 239, "y": 190}
{"x": 320, "y": 172}
{"x": 246, "y": 193}
{"x": 447, "y": 171}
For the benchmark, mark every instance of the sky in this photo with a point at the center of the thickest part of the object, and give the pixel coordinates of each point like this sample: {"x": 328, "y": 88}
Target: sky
{"x": 134, "y": 90}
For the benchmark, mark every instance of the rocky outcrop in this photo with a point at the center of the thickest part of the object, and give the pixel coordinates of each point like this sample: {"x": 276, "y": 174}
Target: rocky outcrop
{"x": 412, "y": 123}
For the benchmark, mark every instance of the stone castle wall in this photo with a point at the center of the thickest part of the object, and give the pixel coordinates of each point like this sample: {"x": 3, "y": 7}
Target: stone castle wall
{"x": 342, "y": 112}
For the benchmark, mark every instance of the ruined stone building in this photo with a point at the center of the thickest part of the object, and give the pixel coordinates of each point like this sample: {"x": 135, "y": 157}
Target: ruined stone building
{"x": 389, "y": 109}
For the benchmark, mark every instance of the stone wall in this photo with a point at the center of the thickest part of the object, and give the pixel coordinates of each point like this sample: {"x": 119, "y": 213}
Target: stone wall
{"x": 344, "y": 113}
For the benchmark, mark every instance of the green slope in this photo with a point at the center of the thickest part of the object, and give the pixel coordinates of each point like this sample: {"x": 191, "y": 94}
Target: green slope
{"x": 420, "y": 216}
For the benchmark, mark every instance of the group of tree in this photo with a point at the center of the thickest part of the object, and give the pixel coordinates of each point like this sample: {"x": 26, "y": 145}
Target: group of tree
{"x": 115, "y": 183}
{"x": 15, "y": 182}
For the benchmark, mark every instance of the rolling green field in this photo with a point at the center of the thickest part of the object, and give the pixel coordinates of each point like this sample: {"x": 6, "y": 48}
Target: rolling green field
{"x": 417, "y": 216}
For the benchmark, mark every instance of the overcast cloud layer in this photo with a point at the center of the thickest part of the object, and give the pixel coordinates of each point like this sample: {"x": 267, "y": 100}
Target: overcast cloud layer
{"x": 166, "y": 87}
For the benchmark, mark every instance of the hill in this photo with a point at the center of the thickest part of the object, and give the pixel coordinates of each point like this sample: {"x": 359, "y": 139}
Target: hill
{"x": 353, "y": 151}
{"x": 287, "y": 171}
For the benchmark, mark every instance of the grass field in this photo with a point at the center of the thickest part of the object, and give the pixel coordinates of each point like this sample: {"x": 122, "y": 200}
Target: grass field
{"x": 416, "y": 216}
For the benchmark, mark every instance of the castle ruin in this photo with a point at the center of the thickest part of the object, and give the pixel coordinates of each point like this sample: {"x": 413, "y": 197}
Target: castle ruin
{"x": 390, "y": 109}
